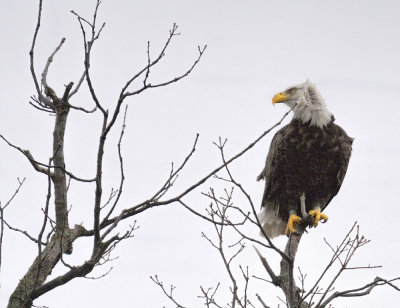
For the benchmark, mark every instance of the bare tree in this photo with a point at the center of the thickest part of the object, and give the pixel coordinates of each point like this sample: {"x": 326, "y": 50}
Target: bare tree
{"x": 56, "y": 236}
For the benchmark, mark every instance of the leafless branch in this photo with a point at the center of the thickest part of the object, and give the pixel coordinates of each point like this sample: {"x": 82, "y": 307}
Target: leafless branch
{"x": 275, "y": 279}
{"x": 82, "y": 19}
{"x": 336, "y": 256}
{"x": 348, "y": 247}
{"x": 361, "y": 291}
{"x": 31, "y": 52}
{"x": 88, "y": 47}
{"x": 174, "y": 173}
{"x": 162, "y": 84}
{"x": 2, "y": 219}
{"x": 76, "y": 89}
{"x": 146, "y": 69}
{"x": 210, "y": 220}
{"x": 209, "y": 296}
{"x": 121, "y": 163}
{"x": 169, "y": 293}
{"x": 38, "y": 166}
{"x": 49, "y": 61}
{"x": 25, "y": 233}
{"x": 148, "y": 64}
{"x": 219, "y": 214}
{"x": 101, "y": 276}
{"x": 20, "y": 183}
{"x": 112, "y": 195}
{"x": 83, "y": 109}
{"x": 41, "y": 106}
{"x": 262, "y": 302}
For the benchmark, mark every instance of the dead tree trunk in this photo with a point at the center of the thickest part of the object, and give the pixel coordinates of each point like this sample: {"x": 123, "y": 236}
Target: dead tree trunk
{"x": 29, "y": 286}
{"x": 287, "y": 281}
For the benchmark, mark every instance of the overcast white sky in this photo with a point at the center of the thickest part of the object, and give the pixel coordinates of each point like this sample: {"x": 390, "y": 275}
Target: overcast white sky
{"x": 255, "y": 49}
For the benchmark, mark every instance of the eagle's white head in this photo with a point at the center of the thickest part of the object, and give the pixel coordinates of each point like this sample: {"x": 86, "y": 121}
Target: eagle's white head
{"x": 308, "y": 105}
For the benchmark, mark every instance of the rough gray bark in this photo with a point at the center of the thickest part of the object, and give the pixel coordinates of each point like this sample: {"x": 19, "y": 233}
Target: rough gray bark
{"x": 61, "y": 108}
{"x": 27, "y": 289}
{"x": 286, "y": 279}
{"x": 61, "y": 241}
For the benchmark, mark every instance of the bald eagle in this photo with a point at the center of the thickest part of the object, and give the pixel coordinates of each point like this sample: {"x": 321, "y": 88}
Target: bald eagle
{"x": 308, "y": 158}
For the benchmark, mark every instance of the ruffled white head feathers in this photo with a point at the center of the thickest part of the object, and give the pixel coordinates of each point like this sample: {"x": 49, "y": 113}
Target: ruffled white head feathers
{"x": 307, "y": 103}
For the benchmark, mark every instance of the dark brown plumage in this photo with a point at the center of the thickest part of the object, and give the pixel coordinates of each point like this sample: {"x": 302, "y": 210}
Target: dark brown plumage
{"x": 302, "y": 158}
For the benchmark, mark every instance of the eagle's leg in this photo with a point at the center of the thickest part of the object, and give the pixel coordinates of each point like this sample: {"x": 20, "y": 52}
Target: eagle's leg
{"x": 293, "y": 219}
{"x": 303, "y": 205}
{"x": 317, "y": 215}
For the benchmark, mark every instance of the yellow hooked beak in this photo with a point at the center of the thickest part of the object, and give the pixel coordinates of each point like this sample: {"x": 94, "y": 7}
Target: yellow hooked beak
{"x": 279, "y": 98}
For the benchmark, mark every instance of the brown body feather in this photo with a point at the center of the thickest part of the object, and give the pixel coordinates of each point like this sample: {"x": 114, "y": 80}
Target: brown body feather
{"x": 305, "y": 159}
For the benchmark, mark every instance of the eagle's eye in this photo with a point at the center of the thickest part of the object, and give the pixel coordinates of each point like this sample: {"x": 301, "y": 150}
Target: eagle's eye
{"x": 292, "y": 90}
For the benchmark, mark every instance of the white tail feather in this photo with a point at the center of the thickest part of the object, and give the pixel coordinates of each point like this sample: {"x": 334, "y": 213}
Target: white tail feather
{"x": 271, "y": 223}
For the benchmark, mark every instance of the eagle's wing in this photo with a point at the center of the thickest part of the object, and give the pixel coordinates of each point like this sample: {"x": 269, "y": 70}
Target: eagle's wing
{"x": 269, "y": 173}
{"x": 345, "y": 143}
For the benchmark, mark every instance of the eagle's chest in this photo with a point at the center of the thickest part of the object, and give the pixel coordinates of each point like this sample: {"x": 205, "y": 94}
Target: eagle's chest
{"x": 311, "y": 155}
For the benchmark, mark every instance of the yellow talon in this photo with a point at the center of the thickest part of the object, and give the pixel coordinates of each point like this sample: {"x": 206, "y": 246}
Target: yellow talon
{"x": 293, "y": 219}
{"x": 317, "y": 215}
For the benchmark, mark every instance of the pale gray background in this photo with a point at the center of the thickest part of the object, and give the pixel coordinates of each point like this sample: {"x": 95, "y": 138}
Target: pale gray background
{"x": 351, "y": 50}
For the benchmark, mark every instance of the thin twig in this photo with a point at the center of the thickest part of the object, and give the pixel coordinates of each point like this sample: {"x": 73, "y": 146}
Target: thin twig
{"x": 121, "y": 164}
{"x": 26, "y": 233}
{"x": 83, "y": 109}
{"x": 168, "y": 294}
{"x": 2, "y": 220}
